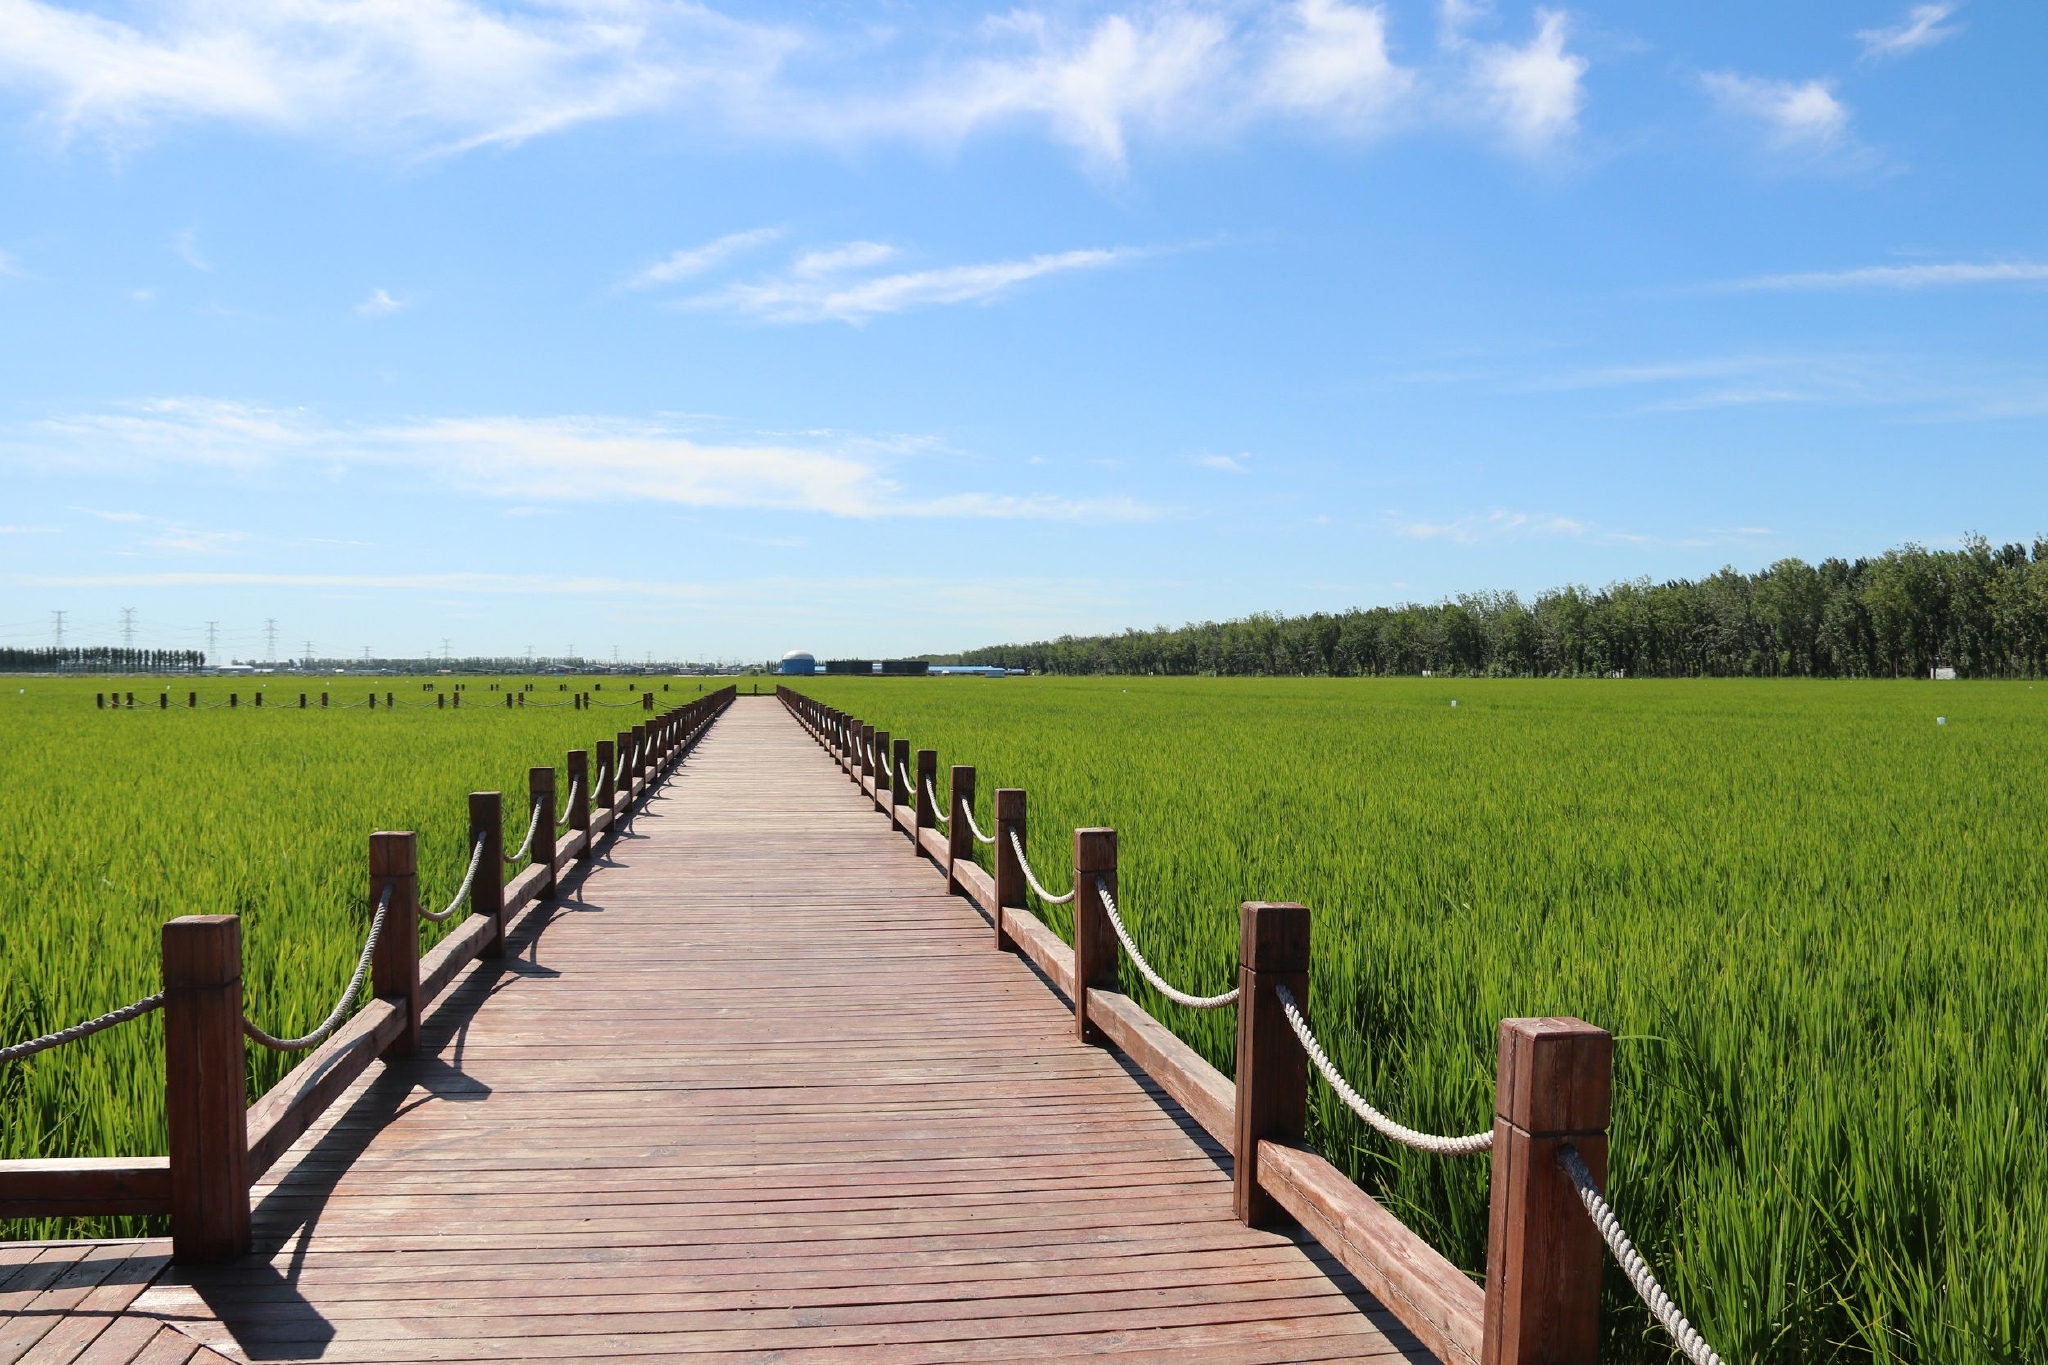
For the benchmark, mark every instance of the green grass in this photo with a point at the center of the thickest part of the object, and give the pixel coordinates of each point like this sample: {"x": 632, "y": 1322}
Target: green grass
{"x": 1811, "y": 916}
{"x": 120, "y": 820}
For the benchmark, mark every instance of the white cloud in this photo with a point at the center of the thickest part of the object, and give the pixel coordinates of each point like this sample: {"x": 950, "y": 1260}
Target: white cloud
{"x": 28, "y": 530}
{"x": 536, "y": 461}
{"x": 1796, "y": 116}
{"x": 1495, "y": 525}
{"x": 1455, "y": 20}
{"x": 380, "y": 304}
{"x": 812, "y": 265}
{"x": 1535, "y": 93}
{"x": 9, "y": 266}
{"x": 185, "y": 243}
{"x": 1222, "y": 463}
{"x": 694, "y": 261}
{"x": 445, "y": 76}
{"x": 1927, "y": 276}
{"x": 824, "y": 295}
{"x": 1923, "y": 26}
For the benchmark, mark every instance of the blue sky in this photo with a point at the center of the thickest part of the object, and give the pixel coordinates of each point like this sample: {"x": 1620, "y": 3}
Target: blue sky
{"x": 871, "y": 328}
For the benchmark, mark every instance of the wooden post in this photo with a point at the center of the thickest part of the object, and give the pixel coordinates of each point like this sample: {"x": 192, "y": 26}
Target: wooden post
{"x": 192, "y": 700}
{"x": 899, "y": 769}
{"x": 624, "y": 748}
{"x": 959, "y": 838}
{"x": 1009, "y": 870}
{"x": 926, "y": 795}
{"x": 540, "y": 786}
{"x": 642, "y": 760}
{"x": 206, "y": 1088}
{"x": 487, "y": 892}
{"x": 884, "y": 748}
{"x": 1272, "y": 1070}
{"x": 579, "y": 798}
{"x": 395, "y": 968}
{"x": 1095, "y": 945}
{"x": 302, "y": 701}
{"x": 1542, "y": 1252}
{"x": 607, "y": 786}
{"x": 234, "y": 700}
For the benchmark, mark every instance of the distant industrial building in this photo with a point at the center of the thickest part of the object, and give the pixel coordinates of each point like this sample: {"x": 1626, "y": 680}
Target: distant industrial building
{"x": 797, "y": 664}
{"x": 839, "y": 668}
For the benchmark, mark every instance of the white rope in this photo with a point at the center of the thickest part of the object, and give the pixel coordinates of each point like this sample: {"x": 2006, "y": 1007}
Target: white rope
{"x": 532, "y": 827}
{"x": 1409, "y": 1137}
{"x": 569, "y": 806}
{"x": 341, "y": 1006}
{"x": 1193, "y": 1002}
{"x": 1631, "y": 1261}
{"x": 938, "y": 818}
{"x": 476, "y": 860}
{"x": 967, "y": 812}
{"x": 17, "y": 1051}
{"x": 1048, "y": 897}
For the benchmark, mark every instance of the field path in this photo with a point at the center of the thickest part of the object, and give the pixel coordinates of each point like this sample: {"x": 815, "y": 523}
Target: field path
{"x": 756, "y": 1089}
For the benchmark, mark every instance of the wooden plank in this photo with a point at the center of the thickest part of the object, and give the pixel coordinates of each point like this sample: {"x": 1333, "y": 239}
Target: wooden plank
{"x": 933, "y": 844}
{"x": 1426, "y": 1292}
{"x": 290, "y": 1107}
{"x": 452, "y": 954}
{"x": 85, "y": 1186}
{"x": 1209, "y": 1096}
{"x": 523, "y": 888}
{"x": 1039, "y": 943}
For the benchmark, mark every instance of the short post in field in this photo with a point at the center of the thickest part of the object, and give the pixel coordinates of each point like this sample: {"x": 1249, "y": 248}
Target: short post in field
{"x": 899, "y": 769}
{"x": 1543, "y": 1254}
{"x": 302, "y": 701}
{"x": 578, "y": 765}
{"x": 1094, "y": 938}
{"x": 540, "y": 788}
{"x": 926, "y": 795}
{"x": 884, "y": 747}
{"x": 192, "y": 700}
{"x": 487, "y": 892}
{"x": 441, "y": 701}
{"x": 1272, "y": 1070}
{"x": 206, "y": 1088}
{"x": 234, "y": 700}
{"x": 959, "y": 838}
{"x": 607, "y": 776}
{"x": 1009, "y": 869}
{"x": 395, "y": 966}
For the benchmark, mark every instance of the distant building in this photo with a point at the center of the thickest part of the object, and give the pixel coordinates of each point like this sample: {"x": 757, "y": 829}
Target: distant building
{"x": 903, "y": 668}
{"x": 842, "y": 667}
{"x": 797, "y": 664}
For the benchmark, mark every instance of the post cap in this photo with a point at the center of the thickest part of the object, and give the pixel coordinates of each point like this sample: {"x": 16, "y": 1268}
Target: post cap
{"x": 1556, "y": 1076}
{"x": 1095, "y": 850}
{"x": 1273, "y": 936}
{"x": 1009, "y": 803}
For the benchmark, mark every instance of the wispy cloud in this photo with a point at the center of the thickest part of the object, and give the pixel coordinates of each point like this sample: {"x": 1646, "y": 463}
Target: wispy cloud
{"x": 533, "y": 462}
{"x": 1488, "y": 526}
{"x": 452, "y": 75}
{"x": 694, "y": 261}
{"x": 1923, "y": 26}
{"x": 813, "y": 290}
{"x": 186, "y": 246}
{"x": 380, "y": 304}
{"x": 10, "y": 266}
{"x": 1801, "y": 117}
{"x": 1224, "y": 464}
{"x": 28, "y": 530}
{"x": 1930, "y": 275}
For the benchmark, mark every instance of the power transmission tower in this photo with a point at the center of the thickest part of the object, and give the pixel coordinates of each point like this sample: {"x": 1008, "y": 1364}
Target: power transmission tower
{"x": 529, "y": 658}
{"x": 127, "y": 627}
{"x": 309, "y": 653}
{"x": 366, "y": 654}
{"x": 444, "y": 649}
{"x": 212, "y": 650}
{"x": 58, "y": 617}
{"x": 270, "y": 639}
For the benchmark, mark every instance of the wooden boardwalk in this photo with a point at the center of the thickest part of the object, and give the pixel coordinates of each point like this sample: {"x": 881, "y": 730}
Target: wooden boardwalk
{"x": 756, "y": 1089}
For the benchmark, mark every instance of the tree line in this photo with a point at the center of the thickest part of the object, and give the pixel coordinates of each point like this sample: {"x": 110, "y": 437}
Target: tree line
{"x": 1981, "y": 610}
{"x": 100, "y": 659}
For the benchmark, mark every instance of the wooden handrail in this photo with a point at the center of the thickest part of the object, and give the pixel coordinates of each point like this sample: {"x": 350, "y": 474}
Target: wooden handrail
{"x": 219, "y": 1149}
{"x": 1540, "y": 1303}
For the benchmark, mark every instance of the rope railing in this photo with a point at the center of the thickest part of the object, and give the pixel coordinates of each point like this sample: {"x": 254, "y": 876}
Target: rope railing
{"x": 1469, "y": 1145}
{"x": 1689, "y": 1341}
{"x": 17, "y": 1051}
{"x": 342, "y": 1006}
{"x": 933, "y": 797}
{"x": 569, "y": 806}
{"x": 1048, "y": 897}
{"x": 967, "y": 814}
{"x": 1159, "y": 983}
{"x": 532, "y": 828}
{"x": 476, "y": 860}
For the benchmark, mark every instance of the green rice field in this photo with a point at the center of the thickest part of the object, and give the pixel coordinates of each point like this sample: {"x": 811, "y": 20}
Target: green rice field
{"x": 1811, "y": 915}
{"x": 122, "y": 819}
